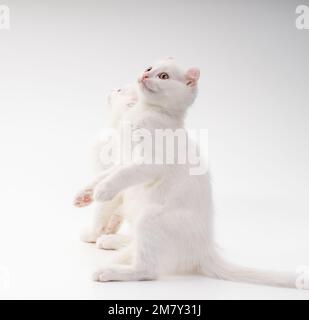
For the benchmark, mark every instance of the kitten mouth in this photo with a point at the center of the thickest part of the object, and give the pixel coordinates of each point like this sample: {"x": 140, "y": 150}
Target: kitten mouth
{"x": 143, "y": 84}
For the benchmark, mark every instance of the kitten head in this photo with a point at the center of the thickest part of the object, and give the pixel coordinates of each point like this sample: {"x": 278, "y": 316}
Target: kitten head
{"x": 166, "y": 85}
{"x": 121, "y": 100}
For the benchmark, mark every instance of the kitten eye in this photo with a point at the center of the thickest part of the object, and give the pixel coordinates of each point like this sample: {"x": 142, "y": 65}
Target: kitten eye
{"x": 163, "y": 76}
{"x": 119, "y": 90}
{"x": 148, "y": 69}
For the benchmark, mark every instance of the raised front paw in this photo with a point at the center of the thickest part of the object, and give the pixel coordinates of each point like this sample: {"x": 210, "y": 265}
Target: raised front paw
{"x": 84, "y": 198}
{"x": 104, "y": 192}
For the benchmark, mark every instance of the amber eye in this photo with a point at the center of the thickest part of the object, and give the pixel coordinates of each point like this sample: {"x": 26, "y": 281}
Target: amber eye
{"x": 163, "y": 76}
{"x": 148, "y": 69}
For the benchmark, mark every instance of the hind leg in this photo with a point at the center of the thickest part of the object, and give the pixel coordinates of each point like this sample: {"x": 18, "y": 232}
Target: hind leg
{"x": 123, "y": 273}
{"x": 146, "y": 253}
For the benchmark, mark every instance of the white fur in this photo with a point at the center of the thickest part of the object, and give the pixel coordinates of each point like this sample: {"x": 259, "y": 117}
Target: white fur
{"x": 173, "y": 216}
{"x": 112, "y": 241}
{"x": 107, "y": 216}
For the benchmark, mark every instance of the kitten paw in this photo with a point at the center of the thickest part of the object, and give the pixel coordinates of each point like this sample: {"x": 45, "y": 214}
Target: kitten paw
{"x": 104, "y": 275}
{"x": 84, "y": 198}
{"x": 106, "y": 242}
{"x": 302, "y": 280}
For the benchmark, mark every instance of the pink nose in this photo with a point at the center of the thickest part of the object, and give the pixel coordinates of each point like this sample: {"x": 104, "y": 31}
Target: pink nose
{"x": 145, "y": 76}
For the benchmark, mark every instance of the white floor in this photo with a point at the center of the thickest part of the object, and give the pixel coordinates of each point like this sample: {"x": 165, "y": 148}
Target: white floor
{"x": 45, "y": 258}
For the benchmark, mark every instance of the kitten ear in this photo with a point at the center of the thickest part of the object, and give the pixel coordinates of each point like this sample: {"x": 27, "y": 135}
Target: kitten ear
{"x": 192, "y": 76}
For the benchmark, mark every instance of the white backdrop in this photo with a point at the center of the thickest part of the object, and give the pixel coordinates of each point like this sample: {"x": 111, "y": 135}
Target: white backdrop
{"x": 58, "y": 61}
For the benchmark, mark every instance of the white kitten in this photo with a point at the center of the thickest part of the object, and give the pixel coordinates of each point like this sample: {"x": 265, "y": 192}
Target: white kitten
{"x": 108, "y": 215}
{"x": 173, "y": 210}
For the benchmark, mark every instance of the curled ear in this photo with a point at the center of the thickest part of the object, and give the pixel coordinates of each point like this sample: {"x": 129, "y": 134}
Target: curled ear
{"x": 192, "y": 77}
